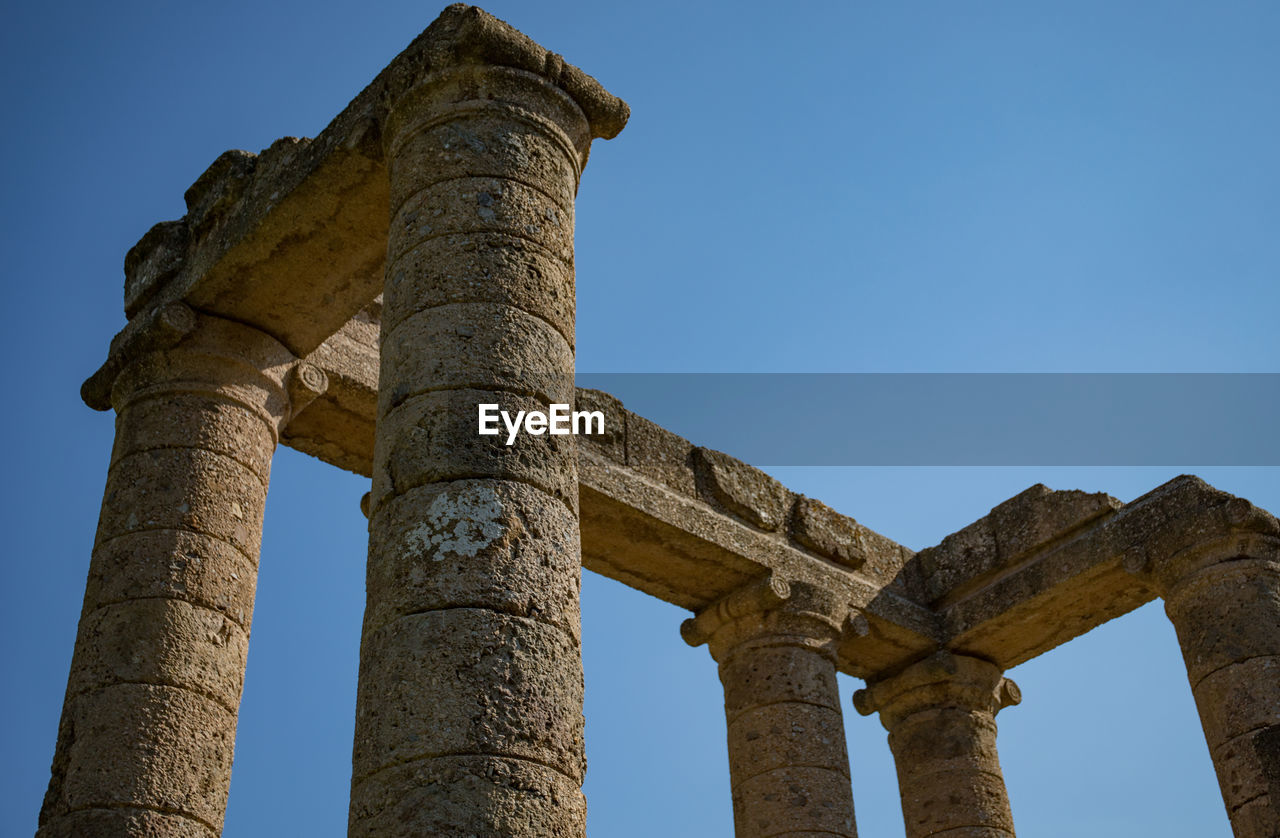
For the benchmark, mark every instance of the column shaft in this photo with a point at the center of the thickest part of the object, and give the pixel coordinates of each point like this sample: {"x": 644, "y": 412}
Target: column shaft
{"x": 469, "y": 717}
{"x": 940, "y": 714}
{"x": 147, "y": 734}
{"x": 1227, "y": 616}
{"x": 788, "y": 762}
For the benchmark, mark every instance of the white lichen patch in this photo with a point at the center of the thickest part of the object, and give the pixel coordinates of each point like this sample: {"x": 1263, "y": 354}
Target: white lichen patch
{"x": 461, "y": 524}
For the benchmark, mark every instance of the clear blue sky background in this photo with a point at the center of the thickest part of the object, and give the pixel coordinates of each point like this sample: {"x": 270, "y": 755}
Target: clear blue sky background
{"x": 1082, "y": 186}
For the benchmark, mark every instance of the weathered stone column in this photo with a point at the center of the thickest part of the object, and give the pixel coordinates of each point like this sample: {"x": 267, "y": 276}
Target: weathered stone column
{"x": 469, "y": 714}
{"x": 788, "y": 763}
{"x": 1223, "y": 598}
{"x": 940, "y": 714}
{"x": 148, "y": 726}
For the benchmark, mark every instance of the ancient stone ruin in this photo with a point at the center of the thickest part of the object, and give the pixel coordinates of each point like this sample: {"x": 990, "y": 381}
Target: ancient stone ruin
{"x": 262, "y": 318}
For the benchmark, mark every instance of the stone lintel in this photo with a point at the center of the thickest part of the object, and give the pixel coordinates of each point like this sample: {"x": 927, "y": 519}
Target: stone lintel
{"x": 292, "y": 240}
{"x": 1062, "y": 564}
{"x": 1101, "y": 571}
{"x": 649, "y": 520}
{"x": 1024, "y": 525}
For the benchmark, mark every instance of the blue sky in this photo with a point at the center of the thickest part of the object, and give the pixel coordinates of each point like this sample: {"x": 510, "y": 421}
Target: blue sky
{"x": 816, "y": 187}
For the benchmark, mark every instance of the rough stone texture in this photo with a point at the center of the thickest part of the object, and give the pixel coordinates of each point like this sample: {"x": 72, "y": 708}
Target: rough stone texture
{"x": 747, "y": 492}
{"x": 1015, "y": 528}
{"x": 469, "y": 713}
{"x": 1224, "y": 601}
{"x": 148, "y": 728}
{"x": 467, "y": 795}
{"x": 829, "y": 534}
{"x": 940, "y": 714}
{"x": 449, "y": 182}
{"x": 788, "y": 766}
{"x": 646, "y": 523}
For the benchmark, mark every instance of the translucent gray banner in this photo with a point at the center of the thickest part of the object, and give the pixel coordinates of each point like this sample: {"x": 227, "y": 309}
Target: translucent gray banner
{"x": 970, "y": 419}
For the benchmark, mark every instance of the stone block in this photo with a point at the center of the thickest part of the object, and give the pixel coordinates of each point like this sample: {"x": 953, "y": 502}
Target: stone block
{"x": 184, "y": 489}
{"x": 828, "y": 533}
{"x": 464, "y": 796}
{"x": 483, "y": 268}
{"x": 471, "y": 205}
{"x": 469, "y": 680}
{"x": 478, "y": 346}
{"x": 745, "y": 491}
{"x": 476, "y": 544}
{"x": 763, "y": 675}
{"x": 173, "y": 564}
{"x": 790, "y": 800}
{"x": 660, "y": 455}
{"x": 434, "y": 437}
{"x": 157, "y": 747}
{"x": 161, "y": 641}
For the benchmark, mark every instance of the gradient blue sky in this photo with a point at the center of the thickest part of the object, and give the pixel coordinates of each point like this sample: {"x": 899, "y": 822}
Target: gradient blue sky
{"x": 862, "y": 187}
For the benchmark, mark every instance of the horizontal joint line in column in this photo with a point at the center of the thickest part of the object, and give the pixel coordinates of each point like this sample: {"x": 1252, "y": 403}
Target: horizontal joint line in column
{"x": 234, "y": 711}
{"x": 1000, "y": 829}
{"x": 451, "y": 754}
{"x": 391, "y": 496}
{"x": 451, "y": 303}
{"x": 159, "y": 390}
{"x": 499, "y": 611}
{"x": 483, "y": 231}
{"x": 109, "y": 603}
{"x": 527, "y": 184}
{"x": 740, "y": 782}
{"x": 513, "y": 240}
{"x": 781, "y": 641}
{"x": 799, "y": 701}
{"x": 1230, "y": 739}
{"x": 112, "y": 806}
{"x": 912, "y": 777}
{"x": 252, "y": 562}
{"x": 1241, "y": 805}
{"x": 809, "y": 832}
{"x": 484, "y": 107}
{"x": 482, "y": 388}
{"x": 169, "y": 447}
{"x": 1226, "y": 666}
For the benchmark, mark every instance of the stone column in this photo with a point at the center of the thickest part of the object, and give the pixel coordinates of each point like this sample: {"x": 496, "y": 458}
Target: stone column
{"x": 148, "y": 726}
{"x": 940, "y": 714}
{"x": 469, "y": 713}
{"x": 788, "y": 763}
{"x": 1224, "y": 601}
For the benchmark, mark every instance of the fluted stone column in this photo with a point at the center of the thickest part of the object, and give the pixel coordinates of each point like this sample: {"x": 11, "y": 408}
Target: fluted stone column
{"x": 1224, "y": 601}
{"x": 788, "y": 763}
{"x": 469, "y": 713}
{"x": 147, "y": 733}
{"x": 940, "y": 714}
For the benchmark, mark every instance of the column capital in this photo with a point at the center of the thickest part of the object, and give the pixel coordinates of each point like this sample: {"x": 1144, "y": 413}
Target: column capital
{"x": 1236, "y": 549}
{"x": 174, "y": 348}
{"x": 772, "y": 609}
{"x": 465, "y": 34}
{"x": 942, "y": 680}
